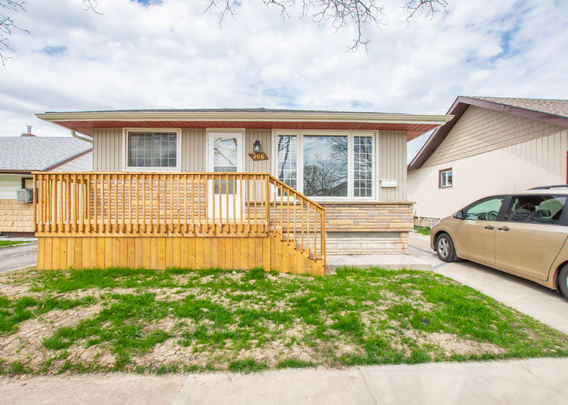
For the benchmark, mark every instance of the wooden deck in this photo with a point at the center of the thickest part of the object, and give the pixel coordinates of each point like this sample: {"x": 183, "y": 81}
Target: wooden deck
{"x": 186, "y": 220}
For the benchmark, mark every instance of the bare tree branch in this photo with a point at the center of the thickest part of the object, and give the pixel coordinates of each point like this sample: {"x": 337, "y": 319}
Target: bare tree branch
{"x": 92, "y": 6}
{"x": 7, "y": 27}
{"x": 431, "y": 7}
{"x": 338, "y": 13}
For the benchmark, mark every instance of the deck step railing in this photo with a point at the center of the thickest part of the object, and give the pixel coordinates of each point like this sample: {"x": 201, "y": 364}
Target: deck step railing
{"x": 177, "y": 205}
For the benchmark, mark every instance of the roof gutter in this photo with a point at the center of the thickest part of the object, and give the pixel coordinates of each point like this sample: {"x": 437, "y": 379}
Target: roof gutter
{"x": 255, "y": 116}
{"x": 74, "y": 135}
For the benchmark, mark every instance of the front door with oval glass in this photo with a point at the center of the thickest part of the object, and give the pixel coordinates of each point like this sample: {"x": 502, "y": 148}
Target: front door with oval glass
{"x": 225, "y": 155}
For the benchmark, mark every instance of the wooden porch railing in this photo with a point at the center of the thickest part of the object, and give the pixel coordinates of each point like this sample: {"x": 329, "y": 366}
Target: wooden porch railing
{"x": 177, "y": 205}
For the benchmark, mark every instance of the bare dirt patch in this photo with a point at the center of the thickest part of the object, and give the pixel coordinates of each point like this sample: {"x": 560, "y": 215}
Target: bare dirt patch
{"x": 26, "y": 345}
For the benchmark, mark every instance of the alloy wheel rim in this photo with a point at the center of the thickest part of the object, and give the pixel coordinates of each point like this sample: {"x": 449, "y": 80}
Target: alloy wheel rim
{"x": 443, "y": 247}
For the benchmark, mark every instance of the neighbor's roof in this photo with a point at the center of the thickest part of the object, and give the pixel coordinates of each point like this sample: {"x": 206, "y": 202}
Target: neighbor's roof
{"x": 546, "y": 110}
{"x": 25, "y": 154}
{"x": 250, "y": 118}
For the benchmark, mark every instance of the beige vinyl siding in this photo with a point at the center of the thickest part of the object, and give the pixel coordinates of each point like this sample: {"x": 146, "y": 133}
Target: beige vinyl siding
{"x": 392, "y": 165}
{"x": 193, "y": 150}
{"x": 8, "y": 186}
{"x": 107, "y": 150}
{"x": 265, "y": 137}
{"x": 538, "y": 162}
{"x": 481, "y": 130}
{"x": 81, "y": 164}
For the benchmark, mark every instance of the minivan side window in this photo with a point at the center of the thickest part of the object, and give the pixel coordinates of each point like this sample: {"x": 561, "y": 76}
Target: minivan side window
{"x": 485, "y": 210}
{"x": 535, "y": 209}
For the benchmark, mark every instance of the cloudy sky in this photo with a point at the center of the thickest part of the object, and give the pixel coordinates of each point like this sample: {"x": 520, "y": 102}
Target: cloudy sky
{"x": 170, "y": 54}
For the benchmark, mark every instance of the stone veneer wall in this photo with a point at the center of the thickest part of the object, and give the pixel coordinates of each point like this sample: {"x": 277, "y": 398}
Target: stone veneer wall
{"x": 368, "y": 228}
{"x": 16, "y": 217}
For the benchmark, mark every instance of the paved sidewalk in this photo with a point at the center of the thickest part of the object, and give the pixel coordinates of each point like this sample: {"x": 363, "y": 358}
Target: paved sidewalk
{"x": 16, "y": 257}
{"x": 534, "y": 381}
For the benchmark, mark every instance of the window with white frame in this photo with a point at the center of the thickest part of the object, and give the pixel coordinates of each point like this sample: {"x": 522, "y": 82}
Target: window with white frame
{"x": 152, "y": 149}
{"x": 327, "y": 166}
{"x": 363, "y": 166}
{"x": 446, "y": 178}
{"x": 287, "y": 163}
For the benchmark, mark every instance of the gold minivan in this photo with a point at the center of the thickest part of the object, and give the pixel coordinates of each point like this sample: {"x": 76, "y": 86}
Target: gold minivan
{"x": 522, "y": 233}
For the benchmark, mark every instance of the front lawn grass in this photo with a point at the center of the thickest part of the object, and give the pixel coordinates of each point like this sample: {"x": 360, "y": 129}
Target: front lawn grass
{"x": 4, "y": 243}
{"x": 423, "y": 231}
{"x": 247, "y": 321}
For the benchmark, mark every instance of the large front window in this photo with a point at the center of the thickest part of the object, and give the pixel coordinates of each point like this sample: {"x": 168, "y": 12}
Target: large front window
{"x": 152, "y": 149}
{"x": 327, "y": 166}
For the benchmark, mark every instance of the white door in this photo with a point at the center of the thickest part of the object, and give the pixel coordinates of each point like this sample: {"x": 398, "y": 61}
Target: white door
{"x": 225, "y": 155}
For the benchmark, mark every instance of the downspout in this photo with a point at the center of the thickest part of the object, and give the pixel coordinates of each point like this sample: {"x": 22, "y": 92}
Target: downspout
{"x": 74, "y": 135}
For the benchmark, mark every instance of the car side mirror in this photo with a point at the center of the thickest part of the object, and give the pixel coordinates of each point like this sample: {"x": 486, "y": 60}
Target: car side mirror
{"x": 459, "y": 215}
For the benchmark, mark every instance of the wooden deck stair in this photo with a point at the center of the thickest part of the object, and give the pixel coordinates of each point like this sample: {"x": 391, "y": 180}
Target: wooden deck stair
{"x": 170, "y": 206}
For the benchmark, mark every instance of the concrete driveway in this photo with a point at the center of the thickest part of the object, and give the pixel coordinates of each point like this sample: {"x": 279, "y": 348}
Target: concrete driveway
{"x": 16, "y": 257}
{"x": 539, "y": 302}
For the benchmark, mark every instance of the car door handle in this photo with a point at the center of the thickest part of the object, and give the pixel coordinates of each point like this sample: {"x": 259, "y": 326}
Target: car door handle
{"x": 489, "y": 227}
{"x": 504, "y": 229}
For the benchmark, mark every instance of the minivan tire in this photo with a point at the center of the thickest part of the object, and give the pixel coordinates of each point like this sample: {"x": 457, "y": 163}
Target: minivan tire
{"x": 445, "y": 248}
{"x": 563, "y": 281}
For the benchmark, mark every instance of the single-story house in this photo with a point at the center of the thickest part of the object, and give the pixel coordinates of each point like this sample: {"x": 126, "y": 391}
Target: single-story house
{"x": 19, "y": 157}
{"x": 317, "y": 182}
{"x": 491, "y": 146}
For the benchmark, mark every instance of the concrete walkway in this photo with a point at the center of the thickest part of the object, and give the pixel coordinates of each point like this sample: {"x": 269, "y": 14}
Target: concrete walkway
{"x": 16, "y": 257}
{"x": 535, "y": 381}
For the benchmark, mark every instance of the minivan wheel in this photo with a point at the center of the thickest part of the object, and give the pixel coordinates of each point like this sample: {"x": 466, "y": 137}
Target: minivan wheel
{"x": 445, "y": 248}
{"x": 563, "y": 281}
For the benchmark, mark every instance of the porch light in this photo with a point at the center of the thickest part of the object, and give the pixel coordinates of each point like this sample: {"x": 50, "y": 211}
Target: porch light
{"x": 256, "y": 146}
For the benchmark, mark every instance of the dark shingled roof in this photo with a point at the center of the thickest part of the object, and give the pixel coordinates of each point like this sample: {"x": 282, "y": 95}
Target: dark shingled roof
{"x": 548, "y": 106}
{"x": 28, "y": 153}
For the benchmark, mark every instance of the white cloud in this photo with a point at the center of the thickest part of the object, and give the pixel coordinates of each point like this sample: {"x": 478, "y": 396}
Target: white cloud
{"x": 173, "y": 55}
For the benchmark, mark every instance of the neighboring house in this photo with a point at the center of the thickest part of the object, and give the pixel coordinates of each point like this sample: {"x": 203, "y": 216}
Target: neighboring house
{"x": 491, "y": 146}
{"x": 19, "y": 157}
{"x": 345, "y": 169}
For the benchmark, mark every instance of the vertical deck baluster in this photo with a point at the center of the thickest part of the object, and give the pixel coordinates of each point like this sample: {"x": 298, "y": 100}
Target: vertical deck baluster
{"x": 178, "y": 210}
{"x": 267, "y": 202}
{"x": 315, "y": 232}
{"x": 255, "y": 204}
{"x": 248, "y": 205}
{"x": 234, "y": 203}
{"x": 199, "y": 203}
{"x": 303, "y": 222}
{"x": 323, "y": 238}
{"x": 274, "y": 198}
{"x": 34, "y": 196}
{"x": 308, "y": 225}
{"x": 288, "y": 213}
{"x": 88, "y": 202}
{"x": 59, "y": 206}
{"x": 171, "y": 194}
{"x": 192, "y": 204}
{"x": 96, "y": 208}
{"x": 83, "y": 205}
{"x": 206, "y": 201}
{"x": 39, "y": 202}
{"x": 241, "y": 196}
{"x": 281, "y": 212}
{"x": 295, "y": 221}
